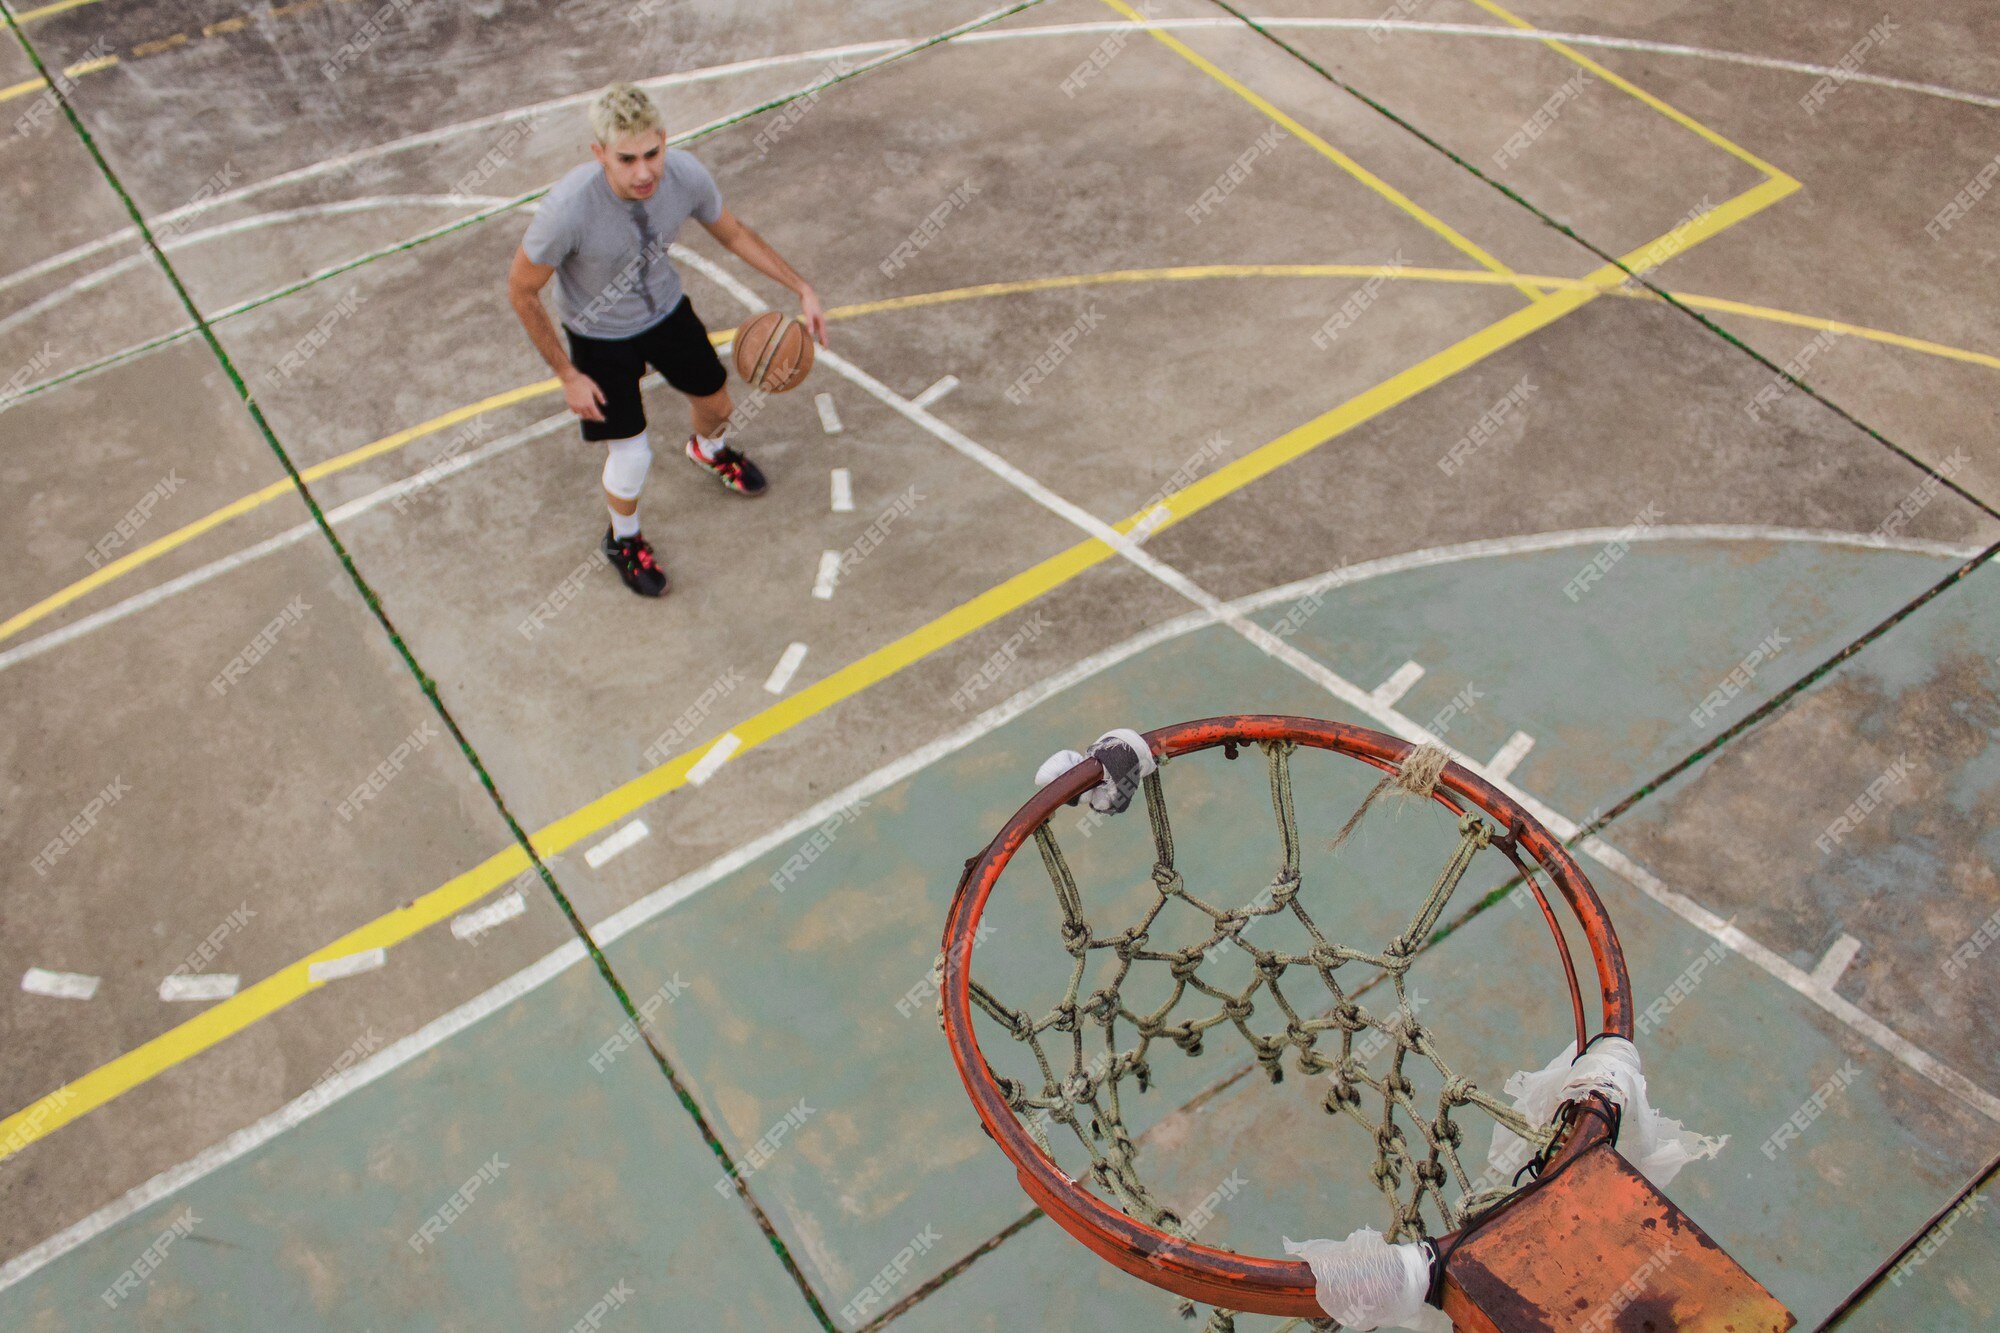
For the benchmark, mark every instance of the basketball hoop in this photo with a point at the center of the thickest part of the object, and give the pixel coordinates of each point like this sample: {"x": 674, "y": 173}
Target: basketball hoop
{"x": 1146, "y": 1246}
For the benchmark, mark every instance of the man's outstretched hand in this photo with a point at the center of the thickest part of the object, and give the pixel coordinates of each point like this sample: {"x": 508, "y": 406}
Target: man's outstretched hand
{"x": 583, "y": 396}
{"x": 814, "y": 314}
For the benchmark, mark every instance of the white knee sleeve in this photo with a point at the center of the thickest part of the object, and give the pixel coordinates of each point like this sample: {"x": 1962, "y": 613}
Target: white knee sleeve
{"x": 625, "y": 464}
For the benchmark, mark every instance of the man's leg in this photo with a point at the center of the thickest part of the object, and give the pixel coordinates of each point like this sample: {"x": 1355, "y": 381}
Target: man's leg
{"x": 711, "y": 420}
{"x": 625, "y": 465}
{"x": 615, "y": 366}
{"x": 680, "y": 347}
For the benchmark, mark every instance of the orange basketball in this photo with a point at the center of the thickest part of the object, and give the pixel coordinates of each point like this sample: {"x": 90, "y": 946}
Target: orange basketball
{"x": 773, "y": 352}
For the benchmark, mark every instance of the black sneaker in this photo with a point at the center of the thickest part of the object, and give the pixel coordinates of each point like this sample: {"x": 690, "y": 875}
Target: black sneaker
{"x": 632, "y": 557}
{"x": 732, "y": 469}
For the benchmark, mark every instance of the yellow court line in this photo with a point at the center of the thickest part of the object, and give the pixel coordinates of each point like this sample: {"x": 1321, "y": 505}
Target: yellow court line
{"x": 76, "y": 71}
{"x": 49, "y": 11}
{"x": 178, "y": 1044}
{"x": 1395, "y": 196}
{"x": 1191, "y": 273}
{"x": 1925, "y": 345}
{"x": 1679, "y": 117}
{"x": 1467, "y": 277}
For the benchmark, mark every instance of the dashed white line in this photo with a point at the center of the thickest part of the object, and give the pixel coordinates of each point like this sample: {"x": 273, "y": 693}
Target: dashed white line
{"x": 471, "y": 925}
{"x": 1827, "y": 975}
{"x": 829, "y": 416}
{"x": 58, "y": 985}
{"x": 843, "y": 491}
{"x": 623, "y": 840}
{"x": 333, "y": 969}
{"x": 1510, "y": 755}
{"x": 936, "y": 391}
{"x": 829, "y": 574}
{"x": 788, "y": 666}
{"x": 718, "y": 755}
{"x": 182, "y": 987}
{"x": 294, "y": 1113}
{"x": 1692, "y": 912}
{"x": 1399, "y": 684}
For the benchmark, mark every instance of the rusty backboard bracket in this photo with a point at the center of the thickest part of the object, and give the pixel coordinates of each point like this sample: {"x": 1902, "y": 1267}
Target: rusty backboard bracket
{"x": 1598, "y": 1248}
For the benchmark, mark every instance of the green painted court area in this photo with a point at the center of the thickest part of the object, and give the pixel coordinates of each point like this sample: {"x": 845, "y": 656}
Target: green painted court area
{"x": 405, "y": 927}
{"x": 795, "y": 1007}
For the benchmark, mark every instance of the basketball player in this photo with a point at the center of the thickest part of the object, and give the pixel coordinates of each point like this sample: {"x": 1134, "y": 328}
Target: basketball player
{"x": 602, "y": 232}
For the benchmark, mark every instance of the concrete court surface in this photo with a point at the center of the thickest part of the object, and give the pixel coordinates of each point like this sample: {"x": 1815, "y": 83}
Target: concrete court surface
{"x": 1365, "y": 385}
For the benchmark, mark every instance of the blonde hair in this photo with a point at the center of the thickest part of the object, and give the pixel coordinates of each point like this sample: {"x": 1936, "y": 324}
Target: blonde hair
{"x": 620, "y": 110}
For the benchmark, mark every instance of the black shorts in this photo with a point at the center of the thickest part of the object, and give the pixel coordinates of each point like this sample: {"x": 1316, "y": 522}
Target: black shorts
{"x": 677, "y": 347}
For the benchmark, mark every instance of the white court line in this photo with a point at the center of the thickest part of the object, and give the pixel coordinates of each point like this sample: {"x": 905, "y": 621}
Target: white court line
{"x": 843, "y": 491}
{"x": 1509, "y": 756}
{"x": 936, "y": 391}
{"x": 829, "y": 574}
{"x": 623, "y": 840}
{"x": 351, "y": 965}
{"x": 471, "y": 925}
{"x": 1400, "y": 682}
{"x": 718, "y": 755}
{"x": 788, "y": 666}
{"x": 1830, "y": 969}
{"x": 829, "y": 415}
{"x": 668, "y": 896}
{"x": 58, "y": 985}
{"x": 194, "y": 986}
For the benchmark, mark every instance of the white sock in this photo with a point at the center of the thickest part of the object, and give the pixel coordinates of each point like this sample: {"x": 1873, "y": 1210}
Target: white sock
{"x": 710, "y": 448}
{"x": 623, "y": 525}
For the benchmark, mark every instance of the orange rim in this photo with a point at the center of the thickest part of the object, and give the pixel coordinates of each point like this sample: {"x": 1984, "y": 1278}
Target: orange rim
{"x": 1199, "y": 1272}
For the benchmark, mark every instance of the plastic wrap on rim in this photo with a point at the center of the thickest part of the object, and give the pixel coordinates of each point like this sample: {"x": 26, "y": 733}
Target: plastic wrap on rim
{"x": 1198, "y": 1272}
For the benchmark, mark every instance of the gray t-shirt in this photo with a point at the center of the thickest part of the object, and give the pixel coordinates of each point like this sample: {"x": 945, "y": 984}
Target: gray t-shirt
{"x": 613, "y": 277}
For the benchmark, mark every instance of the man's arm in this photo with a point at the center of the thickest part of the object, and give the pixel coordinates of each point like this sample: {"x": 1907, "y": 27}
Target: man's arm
{"x": 525, "y": 280}
{"x": 736, "y": 237}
